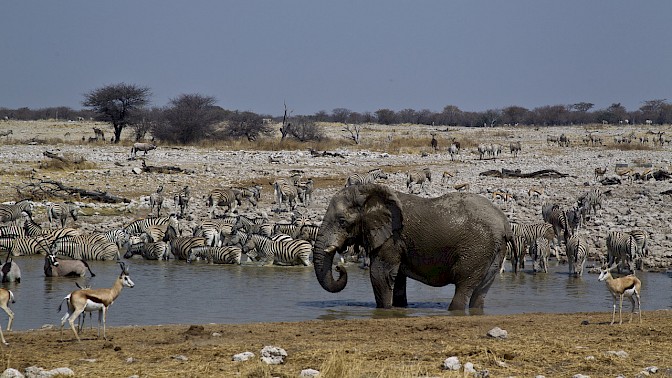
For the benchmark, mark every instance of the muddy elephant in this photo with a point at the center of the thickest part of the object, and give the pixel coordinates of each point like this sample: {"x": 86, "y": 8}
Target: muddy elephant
{"x": 458, "y": 238}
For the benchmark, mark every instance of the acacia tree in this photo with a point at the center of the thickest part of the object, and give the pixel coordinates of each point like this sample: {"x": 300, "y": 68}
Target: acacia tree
{"x": 116, "y": 103}
{"x": 188, "y": 118}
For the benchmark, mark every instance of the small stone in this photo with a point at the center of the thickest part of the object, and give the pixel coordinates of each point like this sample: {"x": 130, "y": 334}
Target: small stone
{"x": 130, "y": 360}
{"x": 452, "y": 363}
{"x": 309, "y": 373}
{"x": 469, "y": 368}
{"x": 498, "y": 333}
{"x": 585, "y": 322}
{"x": 580, "y": 376}
{"x": 216, "y": 334}
{"x": 620, "y": 353}
{"x": 240, "y": 357}
{"x": 181, "y": 357}
{"x": 652, "y": 369}
{"x": 590, "y": 358}
{"x": 89, "y": 360}
{"x": 273, "y": 355}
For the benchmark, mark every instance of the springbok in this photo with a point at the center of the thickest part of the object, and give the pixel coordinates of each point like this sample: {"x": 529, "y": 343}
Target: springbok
{"x": 627, "y": 286}
{"x": 5, "y": 297}
{"x": 97, "y": 299}
{"x": 600, "y": 172}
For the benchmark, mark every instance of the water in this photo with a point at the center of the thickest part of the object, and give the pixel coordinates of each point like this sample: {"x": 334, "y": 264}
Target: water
{"x": 175, "y": 292}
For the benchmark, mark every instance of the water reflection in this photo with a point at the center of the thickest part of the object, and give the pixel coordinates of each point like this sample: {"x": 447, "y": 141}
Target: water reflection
{"x": 176, "y": 292}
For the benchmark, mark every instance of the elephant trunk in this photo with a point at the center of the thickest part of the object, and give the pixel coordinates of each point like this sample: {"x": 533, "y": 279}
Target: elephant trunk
{"x": 323, "y": 259}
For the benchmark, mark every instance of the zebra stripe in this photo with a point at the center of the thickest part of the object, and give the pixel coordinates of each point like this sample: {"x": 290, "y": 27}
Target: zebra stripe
{"x": 558, "y": 219}
{"x": 25, "y": 246}
{"x": 641, "y": 238}
{"x": 285, "y": 228}
{"x": 533, "y": 231}
{"x": 217, "y": 255}
{"x": 181, "y": 200}
{"x": 181, "y": 246}
{"x": 60, "y": 233}
{"x": 155, "y": 251}
{"x": 119, "y": 237}
{"x": 591, "y": 200}
{"x": 515, "y": 250}
{"x": 9, "y": 213}
{"x": 291, "y": 252}
{"x": 101, "y": 251}
{"x": 577, "y": 252}
{"x": 29, "y": 226}
{"x": 58, "y": 213}
{"x": 285, "y": 191}
{"x": 223, "y": 197}
{"x": 156, "y": 201}
{"x": 621, "y": 248}
{"x": 309, "y": 232}
{"x": 139, "y": 226}
{"x": 12, "y": 232}
{"x": 365, "y": 178}
{"x": 540, "y": 251}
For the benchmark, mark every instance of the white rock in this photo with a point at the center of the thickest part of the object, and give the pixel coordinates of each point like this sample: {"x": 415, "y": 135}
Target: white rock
{"x": 240, "y": 357}
{"x": 273, "y": 355}
{"x": 452, "y": 363}
{"x": 498, "y": 333}
{"x": 181, "y": 357}
{"x": 11, "y": 373}
{"x": 309, "y": 373}
{"x": 620, "y": 353}
{"x": 580, "y": 376}
{"x": 469, "y": 368}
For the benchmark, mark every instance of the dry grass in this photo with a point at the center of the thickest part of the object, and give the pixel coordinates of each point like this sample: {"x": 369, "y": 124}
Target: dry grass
{"x": 549, "y": 344}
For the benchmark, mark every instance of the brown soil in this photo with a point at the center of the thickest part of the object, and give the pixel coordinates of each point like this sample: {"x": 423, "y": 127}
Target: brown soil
{"x": 548, "y": 344}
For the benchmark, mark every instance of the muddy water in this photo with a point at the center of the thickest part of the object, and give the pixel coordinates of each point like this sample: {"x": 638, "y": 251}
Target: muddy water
{"x": 176, "y": 292}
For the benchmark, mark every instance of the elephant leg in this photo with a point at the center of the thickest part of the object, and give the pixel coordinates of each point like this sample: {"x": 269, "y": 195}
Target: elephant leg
{"x": 478, "y": 296}
{"x": 399, "y": 295}
{"x": 383, "y": 276}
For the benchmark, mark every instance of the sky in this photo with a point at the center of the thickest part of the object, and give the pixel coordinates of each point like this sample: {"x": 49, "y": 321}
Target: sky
{"x": 315, "y": 55}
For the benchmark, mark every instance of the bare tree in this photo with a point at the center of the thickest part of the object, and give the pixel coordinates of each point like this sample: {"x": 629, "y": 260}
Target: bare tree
{"x": 354, "y": 131}
{"x": 116, "y": 103}
{"x": 246, "y": 124}
{"x": 286, "y": 128}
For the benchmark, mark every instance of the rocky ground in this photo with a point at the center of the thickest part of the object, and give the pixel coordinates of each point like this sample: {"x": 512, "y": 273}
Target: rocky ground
{"x": 537, "y": 344}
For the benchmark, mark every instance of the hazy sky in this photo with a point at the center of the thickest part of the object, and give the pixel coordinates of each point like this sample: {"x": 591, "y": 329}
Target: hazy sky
{"x": 321, "y": 55}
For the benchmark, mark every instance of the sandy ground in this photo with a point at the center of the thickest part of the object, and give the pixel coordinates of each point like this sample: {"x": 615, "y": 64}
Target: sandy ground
{"x": 548, "y": 344}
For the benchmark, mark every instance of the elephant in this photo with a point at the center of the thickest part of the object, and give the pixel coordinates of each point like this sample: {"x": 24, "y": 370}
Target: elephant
{"x": 457, "y": 238}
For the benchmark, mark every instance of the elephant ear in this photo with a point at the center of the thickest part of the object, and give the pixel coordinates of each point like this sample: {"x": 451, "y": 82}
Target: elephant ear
{"x": 381, "y": 214}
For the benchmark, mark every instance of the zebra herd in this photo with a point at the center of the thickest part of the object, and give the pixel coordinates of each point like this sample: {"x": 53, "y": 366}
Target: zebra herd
{"x": 561, "y": 226}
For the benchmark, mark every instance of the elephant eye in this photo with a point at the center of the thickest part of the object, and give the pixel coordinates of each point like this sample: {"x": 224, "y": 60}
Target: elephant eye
{"x": 342, "y": 221}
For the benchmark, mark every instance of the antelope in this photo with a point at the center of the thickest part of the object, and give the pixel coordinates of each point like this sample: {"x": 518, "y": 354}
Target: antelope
{"x": 535, "y": 192}
{"x": 647, "y": 174}
{"x": 53, "y": 267}
{"x": 627, "y": 286}
{"x": 600, "y": 172}
{"x": 446, "y": 176}
{"x": 464, "y": 187}
{"x": 97, "y": 299}
{"x": 504, "y": 196}
{"x": 625, "y": 172}
{"x": 5, "y": 297}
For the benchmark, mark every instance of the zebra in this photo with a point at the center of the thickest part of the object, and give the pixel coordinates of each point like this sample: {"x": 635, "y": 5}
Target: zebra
{"x": 287, "y": 229}
{"x": 25, "y": 246}
{"x": 418, "y": 177}
{"x": 150, "y": 251}
{"x": 369, "y": 177}
{"x": 515, "y": 148}
{"x": 145, "y": 147}
{"x": 291, "y": 252}
{"x": 29, "y": 226}
{"x": 308, "y": 232}
{"x": 305, "y": 191}
{"x": 9, "y": 213}
{"x": 212, "y": 234}
{"x": 102, "y": 251}
{"x": 577, "y": 252}
{"x": 591, "y": 200}
{"x": 251, "y": 194}
{"x": 515, "y": 249}
{"x": 156, "y": 201}
{"x": 58, "y": 234}
{"x": 223, "y": 197}
{"x": 12, "y": 232}
{"x": 119, "y": 237}
{"x": 181, "y": 246}
{"x": 217, "y": 255}
{"x": 285, "y": 191}
{"x": 139, "y": 226}
{"x": 558, "y": 219}
{"x": 621, "y": 248}
{"x": 6, "y": 133}
{"x": 58, "y": 212}
{"x": 181, "y": 200}
{"x": 641, "y": 238}
{"x": 541, "y": 249}
{"x": 529, "y": 234}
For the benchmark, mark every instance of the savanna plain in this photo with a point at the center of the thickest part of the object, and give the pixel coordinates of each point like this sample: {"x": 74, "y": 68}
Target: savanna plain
{"x": 553, "y": 345}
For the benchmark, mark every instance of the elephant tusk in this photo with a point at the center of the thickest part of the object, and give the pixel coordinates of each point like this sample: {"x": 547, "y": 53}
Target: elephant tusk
{"x": 330, "y": 249}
